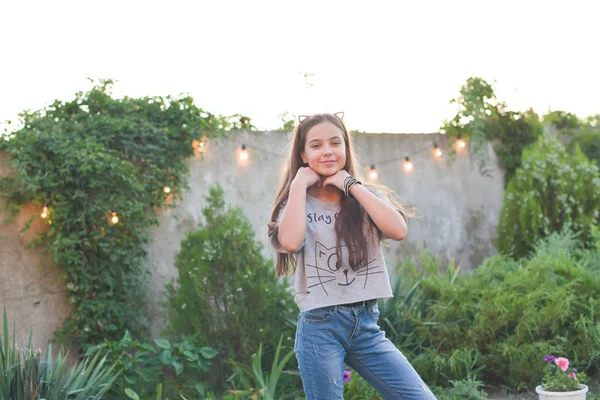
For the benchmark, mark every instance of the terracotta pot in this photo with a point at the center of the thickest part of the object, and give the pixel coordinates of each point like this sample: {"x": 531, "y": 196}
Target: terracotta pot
{"x": 574, "y": 395}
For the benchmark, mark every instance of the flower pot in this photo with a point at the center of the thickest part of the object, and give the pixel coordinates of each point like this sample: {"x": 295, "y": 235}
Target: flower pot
{"x": 574, "y": 395}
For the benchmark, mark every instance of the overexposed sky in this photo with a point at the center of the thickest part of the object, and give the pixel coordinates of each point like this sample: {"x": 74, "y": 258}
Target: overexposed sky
{"x": 391, "y": 66}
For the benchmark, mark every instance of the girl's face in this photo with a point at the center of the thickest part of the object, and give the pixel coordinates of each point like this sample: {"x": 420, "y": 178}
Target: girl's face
{"x": 324, "y": 149}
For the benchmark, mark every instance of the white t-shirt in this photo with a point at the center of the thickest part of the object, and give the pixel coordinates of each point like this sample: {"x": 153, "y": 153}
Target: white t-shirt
{"x": 323, "y": 278}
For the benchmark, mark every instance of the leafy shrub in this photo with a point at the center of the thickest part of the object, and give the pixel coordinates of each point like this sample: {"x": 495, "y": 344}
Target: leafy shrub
{"x": 496, "y": 321}
{"x": 226, "y": 291}
{"x": 549, "y": 191}
{"x": 466, "y": 389}
{"x": 589, "y": 140}
{"x": 173, "y": 367}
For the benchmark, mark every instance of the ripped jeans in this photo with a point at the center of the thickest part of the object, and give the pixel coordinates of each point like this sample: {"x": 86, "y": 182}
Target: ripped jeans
{"x": 329, "y": 336}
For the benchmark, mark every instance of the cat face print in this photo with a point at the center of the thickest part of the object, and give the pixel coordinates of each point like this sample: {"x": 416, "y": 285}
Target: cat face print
{"x": 330, "y": 269}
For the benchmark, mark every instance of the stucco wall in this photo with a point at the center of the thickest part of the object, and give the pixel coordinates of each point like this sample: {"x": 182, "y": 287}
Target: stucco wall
{"x": 457, "y": 208}
{"x": 31, "y": 287}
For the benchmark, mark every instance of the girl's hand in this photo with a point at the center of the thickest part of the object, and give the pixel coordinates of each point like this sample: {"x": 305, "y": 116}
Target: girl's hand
{"x": 337, "y": 179}
{"x": 307, "y": 177}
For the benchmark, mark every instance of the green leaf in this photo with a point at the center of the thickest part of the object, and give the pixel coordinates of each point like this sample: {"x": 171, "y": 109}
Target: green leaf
{"x": 200, "y": 388}
{"x": 190, "y": 356}
{"x": 208, "y": 352}
{"x": 165, "y": 357}
{"x": 131, "y": 394}
{"x": 163, "y": 344}
{"x": 178, "y": 367}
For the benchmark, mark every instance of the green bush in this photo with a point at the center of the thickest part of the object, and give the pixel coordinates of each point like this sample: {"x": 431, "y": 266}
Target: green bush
{"x": 227, "y": 292}
{"x": 498, "y": 321}
{"x": 173, "y": 367}
{"x": 589, "y": 140}
{"x": 549, "y": 191}
{"x": 466, "y": 389}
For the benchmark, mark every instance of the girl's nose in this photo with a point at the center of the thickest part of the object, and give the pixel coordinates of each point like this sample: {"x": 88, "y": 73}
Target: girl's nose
{"x": 327, "y": 150}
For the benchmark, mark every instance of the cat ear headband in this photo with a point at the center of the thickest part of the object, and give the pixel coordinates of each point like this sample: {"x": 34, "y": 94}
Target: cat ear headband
{"x": 339, "y": 114}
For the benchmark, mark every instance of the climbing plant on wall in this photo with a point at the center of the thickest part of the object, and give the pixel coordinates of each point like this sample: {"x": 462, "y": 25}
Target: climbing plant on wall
{"x": 100, "y": 167}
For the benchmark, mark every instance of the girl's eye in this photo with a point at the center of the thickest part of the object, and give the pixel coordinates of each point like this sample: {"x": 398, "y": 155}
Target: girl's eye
{"x": 337, "y": 143}
{"x": 314, "y": 146}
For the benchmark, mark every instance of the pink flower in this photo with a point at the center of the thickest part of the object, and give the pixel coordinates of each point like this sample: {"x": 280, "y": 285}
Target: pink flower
{"x": 347, "y": 377}
{"x": 562, "y": 363}
{"x": 572, "y": 375}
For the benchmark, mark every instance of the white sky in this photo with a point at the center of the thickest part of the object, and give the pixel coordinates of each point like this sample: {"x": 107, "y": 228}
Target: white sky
{"x": 392, "y": 66}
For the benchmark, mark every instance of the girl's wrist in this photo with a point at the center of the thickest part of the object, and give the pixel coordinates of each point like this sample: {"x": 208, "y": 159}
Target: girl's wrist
{"x": 349, "y": 183}
{"x": 302, "y": 186}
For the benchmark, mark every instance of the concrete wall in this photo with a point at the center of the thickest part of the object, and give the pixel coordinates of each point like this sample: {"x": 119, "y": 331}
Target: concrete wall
{"x": 457, "y": 213}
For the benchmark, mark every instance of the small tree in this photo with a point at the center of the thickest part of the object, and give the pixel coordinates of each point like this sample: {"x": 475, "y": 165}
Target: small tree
{"x": 226, "y": 291}
{"x": 550, "y": 190}
{"x": 482, "y": 118}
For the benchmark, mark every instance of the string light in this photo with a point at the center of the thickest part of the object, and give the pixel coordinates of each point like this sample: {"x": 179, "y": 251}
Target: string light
{"x": 114, "y": 218}
{"x": 199, "y": 146}
{"x": 45, "y": 212}
{"x": 407, "y": 164}
{"x": 460, "y": 141}
{"x": 373, "y": 172}
{"x": 244, "y": 153}
{"x": 167, "y": 189}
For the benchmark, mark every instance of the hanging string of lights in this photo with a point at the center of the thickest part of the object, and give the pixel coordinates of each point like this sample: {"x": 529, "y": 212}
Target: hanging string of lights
{"x": 244, "y": 155}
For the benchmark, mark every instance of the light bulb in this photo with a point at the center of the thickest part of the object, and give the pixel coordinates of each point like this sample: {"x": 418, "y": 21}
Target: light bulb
{"x": 167, "y": 189}
{"x": 373, "y": 173}
{"x": 407, "y": 165}
{"x": 460, "y": 141}
{"x": 45, "y": 212}
{"x": 436, "y": 150}
{"x": 114, "y": 219}
{"x": 244, "y": 153}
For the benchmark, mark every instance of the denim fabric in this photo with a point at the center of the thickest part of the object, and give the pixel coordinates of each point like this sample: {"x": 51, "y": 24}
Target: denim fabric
{"x": 329, "y": 336}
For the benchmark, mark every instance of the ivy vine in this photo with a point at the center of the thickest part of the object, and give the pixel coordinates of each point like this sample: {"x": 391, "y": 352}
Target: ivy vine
{"x": 86, "y": 159}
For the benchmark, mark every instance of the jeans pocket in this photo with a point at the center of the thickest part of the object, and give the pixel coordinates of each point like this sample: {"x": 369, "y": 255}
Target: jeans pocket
{"x": 317, "y": 315}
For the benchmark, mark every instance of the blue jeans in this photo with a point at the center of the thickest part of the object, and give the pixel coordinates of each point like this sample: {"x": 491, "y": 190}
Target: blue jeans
{"x": 329, "y": 336}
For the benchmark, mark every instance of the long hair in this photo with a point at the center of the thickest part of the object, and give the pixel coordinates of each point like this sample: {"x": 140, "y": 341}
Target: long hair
{"x": 349, "y": 225}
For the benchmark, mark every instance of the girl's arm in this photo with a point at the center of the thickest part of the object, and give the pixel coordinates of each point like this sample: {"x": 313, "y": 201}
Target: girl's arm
{"x": 292, "y": 226}
{"x": 387, "y": 218}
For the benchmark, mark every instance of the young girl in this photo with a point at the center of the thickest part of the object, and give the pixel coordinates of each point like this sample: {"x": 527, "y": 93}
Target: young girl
{"x": 327, "y": 228}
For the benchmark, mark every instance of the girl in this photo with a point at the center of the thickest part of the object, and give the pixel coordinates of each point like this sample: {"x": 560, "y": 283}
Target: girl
{"x": 327, "y": 228}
